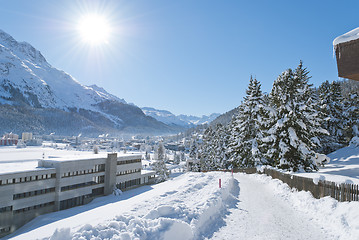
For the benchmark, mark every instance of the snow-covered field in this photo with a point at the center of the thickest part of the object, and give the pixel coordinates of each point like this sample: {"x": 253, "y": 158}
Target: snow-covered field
{"x": 192, "y": 206}
{"x": 343, "y": 167}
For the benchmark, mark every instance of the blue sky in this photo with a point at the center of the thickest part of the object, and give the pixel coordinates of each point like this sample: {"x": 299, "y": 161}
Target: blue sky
{"x": 189, "y": 56}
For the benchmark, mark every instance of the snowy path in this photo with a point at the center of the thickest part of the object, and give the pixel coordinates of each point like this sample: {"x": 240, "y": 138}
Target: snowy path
{"x": 261, "y": 214}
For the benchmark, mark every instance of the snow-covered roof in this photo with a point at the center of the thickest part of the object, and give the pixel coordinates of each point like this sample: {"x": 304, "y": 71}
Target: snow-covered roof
{"x": 14, "y": 159}
{"x": 17, "y": 166}
{"x": 145, "y": 172}
{"x": 57, "y": 158}
{"x": 349, "y": 36}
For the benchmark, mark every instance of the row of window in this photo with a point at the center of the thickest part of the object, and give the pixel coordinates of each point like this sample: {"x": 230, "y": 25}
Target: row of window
{"x": 129, "y": 172}
{"x": 98, "y": 191}
{"x": 73, "y": 202}
{"x": 34, "y": 207}
{"x": 128, "y": 161}
{"x": 5, "y": 229}
{"x": 127, "y": 184}
{"x": 95, "y": 169}
{"x": 95, "y": 180}
{"x": 6, "y": 209}
{"x": 27, "y": 179}
{"x": 33, "y": 193}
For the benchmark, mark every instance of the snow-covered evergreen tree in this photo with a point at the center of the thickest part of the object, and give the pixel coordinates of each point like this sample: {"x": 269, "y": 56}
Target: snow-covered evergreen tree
{"x": 247, "y": 128}
{"x": 193, "y": 153}
{"x": 213, "y": 148}
{"x": 351, "y": 104}
{"x": 183, "y": 156}
{"x": 233, "y": 149}
{"x": 221, "y": 146}
{"x": 161, "y": 152}
{"x": 159, "y": 165}
{"x": 332, "y": 108}
{"x": 295, "y": 123}
{"x": 176, "y": 158}
{"x": 207, "y": 150}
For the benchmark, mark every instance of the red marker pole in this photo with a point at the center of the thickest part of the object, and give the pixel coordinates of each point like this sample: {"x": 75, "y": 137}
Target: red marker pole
{"x": 219, "y": 183}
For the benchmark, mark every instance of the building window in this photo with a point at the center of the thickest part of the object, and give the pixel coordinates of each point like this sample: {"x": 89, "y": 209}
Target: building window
{"x": 129, "y": 172}
{"x": 5, "y": 209}
{"x": 73, "y": 202}
{"x": 95, "y": 169}
{"x": 128, "y": 161}
{"x": 128, "y": 184}
{"x": 33, "y": 193}
{"x": 5, "y": 229}
{"x": 95, "y": 180}
{"x": 33, "y": 207}
{"x": 97, "y": 191}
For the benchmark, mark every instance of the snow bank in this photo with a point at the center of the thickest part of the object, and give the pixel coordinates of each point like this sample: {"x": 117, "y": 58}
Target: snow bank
{"x": 130, "y": 227}
{"x": 190, "y": 206}
{"x": 339, "y": 219}
{"x": 210, "y": 218}
{"x": 163, "y": 222}
{"x": 354, "y": 142}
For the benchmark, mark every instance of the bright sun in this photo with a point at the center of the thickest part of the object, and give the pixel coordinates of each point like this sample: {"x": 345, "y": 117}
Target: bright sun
{"x": 94, "y": 29}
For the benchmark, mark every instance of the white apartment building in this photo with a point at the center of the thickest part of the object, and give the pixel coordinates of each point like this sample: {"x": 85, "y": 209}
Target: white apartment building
{"x": 64, "y": 182}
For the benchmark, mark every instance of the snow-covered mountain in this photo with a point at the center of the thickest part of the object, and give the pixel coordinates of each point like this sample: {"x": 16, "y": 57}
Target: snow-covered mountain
{"x": 28, "y": 81}
{"x": 103, "y": 91}
{"x": 199, "y": 120}
{"x": 180, "y": 120}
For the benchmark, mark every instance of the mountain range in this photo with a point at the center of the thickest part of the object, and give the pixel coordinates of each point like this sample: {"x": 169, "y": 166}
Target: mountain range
{"x": 37, "y": 97}
{"x": 178, "y": 120}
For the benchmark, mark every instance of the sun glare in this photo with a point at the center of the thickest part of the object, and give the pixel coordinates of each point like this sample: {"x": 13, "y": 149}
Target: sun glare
{"x": 94, "y": 29}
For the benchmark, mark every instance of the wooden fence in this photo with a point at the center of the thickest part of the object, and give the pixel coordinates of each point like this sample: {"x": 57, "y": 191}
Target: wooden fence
{"x": 341, "y": 192}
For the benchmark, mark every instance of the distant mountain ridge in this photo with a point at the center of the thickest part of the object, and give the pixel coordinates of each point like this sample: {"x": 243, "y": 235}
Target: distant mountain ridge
{"x": 180, "y": 120}
{"x": 34, "y": 96}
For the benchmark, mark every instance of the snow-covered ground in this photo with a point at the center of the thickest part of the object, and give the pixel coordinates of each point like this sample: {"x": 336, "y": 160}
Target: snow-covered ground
{"x": 343, "y": 167}
{"x": 192, "y": 206}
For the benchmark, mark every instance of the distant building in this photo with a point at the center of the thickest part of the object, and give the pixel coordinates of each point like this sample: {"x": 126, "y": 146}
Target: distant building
{"x": 175, "y": 147}
{"x": 26, "y": 136}
{"x": 62, "y": 183}
{"x": 9, "y": 139}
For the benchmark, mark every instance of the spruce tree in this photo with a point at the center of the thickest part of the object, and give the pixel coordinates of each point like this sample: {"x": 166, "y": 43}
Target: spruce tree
{"x": 233, "y": 150}
{"x": 159, "y": 165}
{"x": 214, "y": 148}
{"x": 247, "y": 128}
{"x": 295, "y": 123}
{"x": 193, "y": 153}
{"x": 352, "y": 112}
{"x": 221, "y": 145}
{"x": 207, "y": 150}
{"x": 334, "y": 120}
